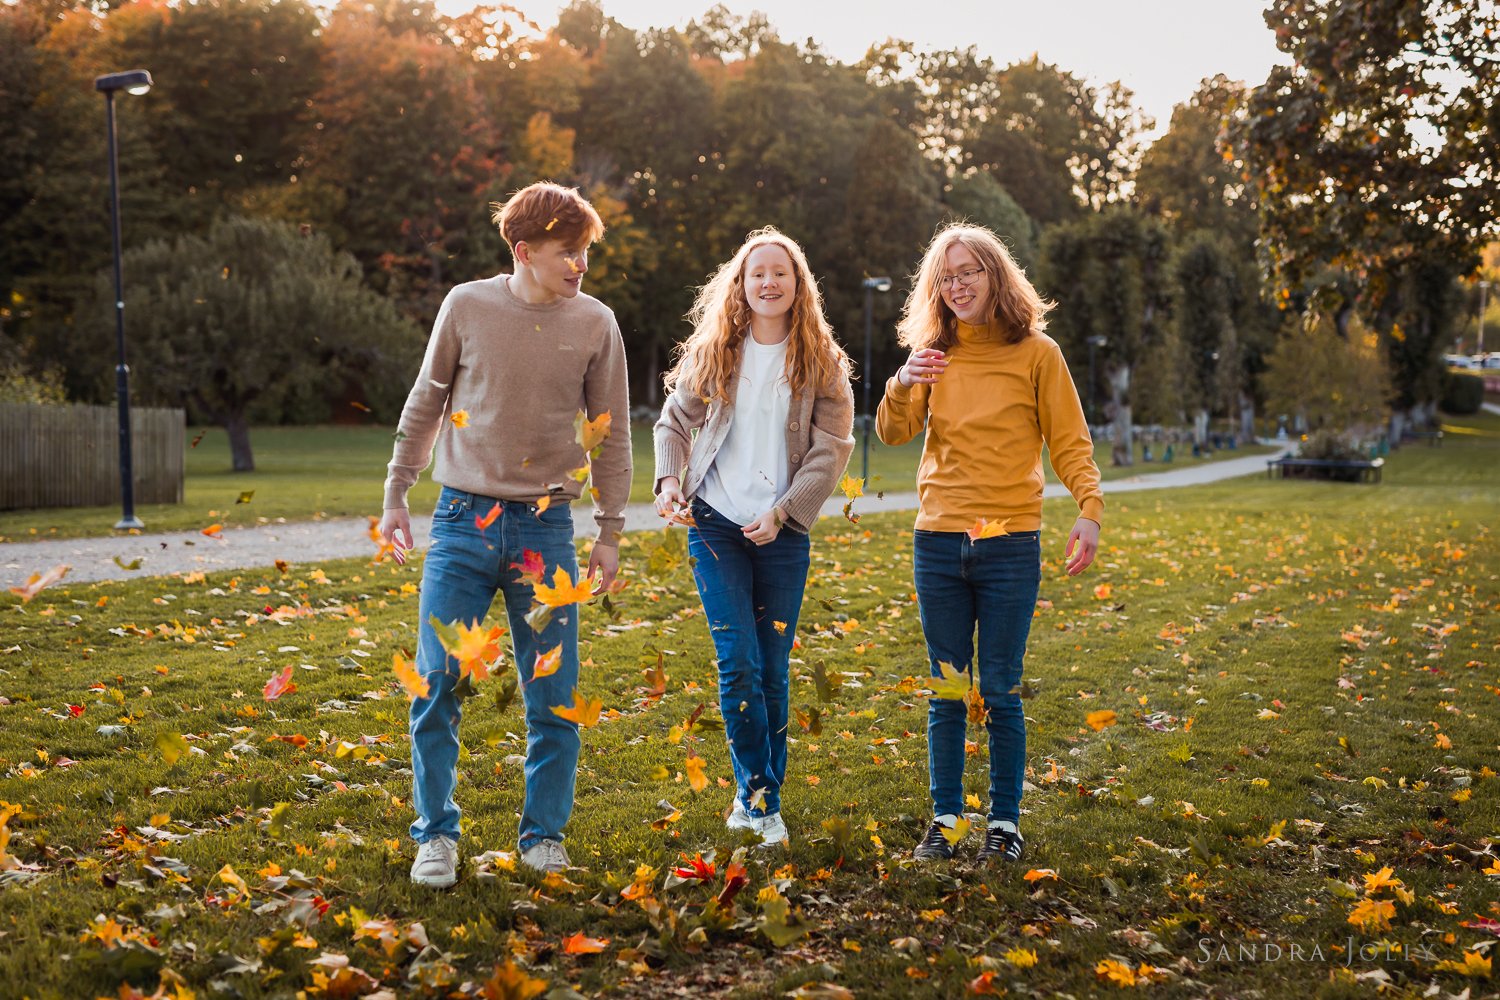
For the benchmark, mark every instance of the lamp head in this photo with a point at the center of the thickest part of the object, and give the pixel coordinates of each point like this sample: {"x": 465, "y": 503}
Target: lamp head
{"x": 881, "y": 284}
{"x": 134, "y": 81}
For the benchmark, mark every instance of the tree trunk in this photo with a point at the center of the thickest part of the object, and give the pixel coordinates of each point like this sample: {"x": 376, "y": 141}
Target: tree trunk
{"x": 238, "y": 429}
{"x": 1398, "y": 427}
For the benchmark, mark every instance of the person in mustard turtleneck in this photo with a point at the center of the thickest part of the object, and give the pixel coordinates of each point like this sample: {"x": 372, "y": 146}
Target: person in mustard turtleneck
{"x": 990, "y": 389}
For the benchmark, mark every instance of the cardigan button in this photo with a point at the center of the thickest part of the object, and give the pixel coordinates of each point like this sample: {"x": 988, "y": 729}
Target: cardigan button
{"x": 794, "y": 426}
{"x": 796, "y": 459}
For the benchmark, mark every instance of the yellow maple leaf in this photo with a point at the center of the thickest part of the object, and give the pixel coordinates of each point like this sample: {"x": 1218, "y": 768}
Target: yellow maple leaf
{"x": 1474, "y": 964}
{"x": 988, "y": 529}
{"x": 1100, "y": 720}
{"x": 476, "y": 648}
{"x": 413, "y": 683}
{"x": 1116, "y": 972}
{"x": 958, "y": 831}
{"x": 228, "y": 876}
{"x": 852, "y": 488}
{"x": 583, "y": 711}
{"x": 460, "y": 418}
{"x": 510, "y": 983}
{"x": 590, "y": 434}
{"x": 951, "y": 685}
{"x": 1021, "y": 958}
{"x": 564, "y": 591}
{"x": 1373, "y": 914}
{"x": 1381, "y": 880}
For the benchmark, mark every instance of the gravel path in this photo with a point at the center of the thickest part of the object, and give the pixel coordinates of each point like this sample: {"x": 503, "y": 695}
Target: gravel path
{"x": 317, "y": 541}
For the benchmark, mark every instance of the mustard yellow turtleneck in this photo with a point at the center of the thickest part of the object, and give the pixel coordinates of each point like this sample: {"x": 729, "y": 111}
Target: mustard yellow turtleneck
{"x": 987, "y": 418}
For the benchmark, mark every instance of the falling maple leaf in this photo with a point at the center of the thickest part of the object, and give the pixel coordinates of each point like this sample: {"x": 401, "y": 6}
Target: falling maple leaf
{"x": 413, "y": 683}
{"x": 1104, "y": 591}
{"x": 951, "y": 684}
{"x": 590, "y": 434}
{"x": 547, "y": 663}
{"x": 460, "y": 418}
{"x": 988, "y": 529}
{"x": 38, "y": 582}
{"x": 958, "y": 831}
{"x": 1100, "y": 720}
{"x": 1116, "y": 972}
{"x": 564, "y": 591}
{"x": 696, "y": 869}
{"x": 1038, "y": 874}
{"x": 246, "y": 496}
{"x": 697, "y": 780}
{"x": 488, "y": 519}
{"x": 852, "y": 488}
{"x": 279, "y": 685}
{"x": 583, "y": 711}
{"x": 983, "y": 985}
{"x": 214, "y": 531}
{"x": 531, "y": 567}
{"x": 582, "y": 944}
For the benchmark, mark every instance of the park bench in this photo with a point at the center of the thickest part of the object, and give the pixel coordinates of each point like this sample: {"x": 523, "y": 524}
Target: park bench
{"x": 1433, "y": 438}
{"x": 1343, "y": 470}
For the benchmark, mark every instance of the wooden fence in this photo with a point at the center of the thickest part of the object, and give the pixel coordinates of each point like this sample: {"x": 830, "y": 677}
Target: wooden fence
{"x": 69, "y": 456}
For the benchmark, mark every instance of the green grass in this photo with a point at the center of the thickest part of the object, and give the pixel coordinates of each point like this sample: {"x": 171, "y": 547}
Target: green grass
{"x": 1322, "y": 658}
{"x": 310, "y": 473}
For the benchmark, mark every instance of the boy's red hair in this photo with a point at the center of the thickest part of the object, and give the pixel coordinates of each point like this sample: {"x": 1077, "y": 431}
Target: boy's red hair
{"x": 548, "y": 211}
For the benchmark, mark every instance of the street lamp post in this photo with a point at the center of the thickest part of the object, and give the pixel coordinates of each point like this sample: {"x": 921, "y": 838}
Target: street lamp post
{"x": 136, "y": 81}
{"x": 1094, "y": 343}
{"x": 1484, "y": 288}
{"x": 871, "y": 286}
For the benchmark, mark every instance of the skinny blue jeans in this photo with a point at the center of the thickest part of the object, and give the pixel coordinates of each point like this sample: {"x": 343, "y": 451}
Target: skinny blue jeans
{"x": 990, "y": 584}
{"x": 752, "y": 596}
{"x": 465, "y": 567}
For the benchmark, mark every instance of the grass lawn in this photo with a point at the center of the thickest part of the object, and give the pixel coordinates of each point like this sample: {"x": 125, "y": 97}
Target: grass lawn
{"x": 1303, "y": 677}
{"x": 306, "y": 473}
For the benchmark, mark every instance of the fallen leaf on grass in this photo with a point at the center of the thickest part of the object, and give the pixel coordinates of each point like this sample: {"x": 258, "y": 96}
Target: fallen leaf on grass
{"x": 279, "y": 685}
{"x": 582, "y": 944}
{"x": 1038, "y": 874}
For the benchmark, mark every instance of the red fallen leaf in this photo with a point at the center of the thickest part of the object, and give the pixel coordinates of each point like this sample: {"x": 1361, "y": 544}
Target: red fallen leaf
{"x": 63, "y": 762}
{"x": 582, "y": 944}
{"x": 531, "y": 567}
{"x": 279, "y": 685}
{"x": 1482, "y": 924}
{"x": 735, "y": 879}
{"x": 297, "y": 740}
{"x": 696, "y": 868}
{"x": 75, "y": 710}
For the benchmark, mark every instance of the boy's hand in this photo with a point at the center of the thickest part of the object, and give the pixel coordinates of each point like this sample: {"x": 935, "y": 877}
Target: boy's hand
{"x": 394, "y": 520}
{"x": 1085, "y": 536}
{"x": 604, "y": 559}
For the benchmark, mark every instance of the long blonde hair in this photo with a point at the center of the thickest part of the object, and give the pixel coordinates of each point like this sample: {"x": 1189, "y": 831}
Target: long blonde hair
{"x": 926, "y": 320}
{"x": 710, "y": 356}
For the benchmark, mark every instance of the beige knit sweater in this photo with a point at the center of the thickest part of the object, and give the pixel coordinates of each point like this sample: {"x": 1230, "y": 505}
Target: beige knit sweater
{"x": 519, "y": 373}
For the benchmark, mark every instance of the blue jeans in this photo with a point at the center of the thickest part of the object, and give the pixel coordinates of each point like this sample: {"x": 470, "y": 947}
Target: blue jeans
{"x": 752, "y": 595}
{"x": 991, "y": 583}
{"x": 463, "y": 570}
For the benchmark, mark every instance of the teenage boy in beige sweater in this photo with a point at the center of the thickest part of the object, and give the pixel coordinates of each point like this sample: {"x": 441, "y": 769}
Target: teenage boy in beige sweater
{"x": 511, "y": 362}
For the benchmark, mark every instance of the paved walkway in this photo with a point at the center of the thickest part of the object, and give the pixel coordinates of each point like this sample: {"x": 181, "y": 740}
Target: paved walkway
{"x": 317, "y": 541}
{"x": 1491, "y": 407}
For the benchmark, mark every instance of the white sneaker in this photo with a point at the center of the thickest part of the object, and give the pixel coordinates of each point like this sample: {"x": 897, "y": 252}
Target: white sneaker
{"x": 437, "y": 863}
{"x": 739, "y": 817}
{"x": 771, "y": 829}
{"x": 546, "y": 856}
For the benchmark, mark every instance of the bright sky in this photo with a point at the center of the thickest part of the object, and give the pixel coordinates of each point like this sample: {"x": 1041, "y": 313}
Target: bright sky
{"x": 1159, "y": 48}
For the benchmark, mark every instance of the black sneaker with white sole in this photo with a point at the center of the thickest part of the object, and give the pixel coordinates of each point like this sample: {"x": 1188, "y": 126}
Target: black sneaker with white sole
{"x": 935, "y": 845}
{"x": 1001, "y": 845}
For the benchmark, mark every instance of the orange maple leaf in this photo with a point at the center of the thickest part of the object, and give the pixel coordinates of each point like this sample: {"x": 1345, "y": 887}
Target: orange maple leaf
{"x": 564, "y": 591}
{"x": 460, "y": 418}
{"x": 484, "y": 522}
{"x": 697, "y": 780}
{"x": 582, "y": 944}
{"x": 547, "y": 663}
{"x": 988, "y": 529}
{"x": 1100, "y": 720}
{"x": 476, "y": 649}
{"x": 213, "y": 531}
{"x": 583, "y": 711}
{"x": 412, "y": 682}
{"x": 590, "y": 434}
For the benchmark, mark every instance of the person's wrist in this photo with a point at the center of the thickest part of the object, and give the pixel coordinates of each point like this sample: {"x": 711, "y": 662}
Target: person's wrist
{"x": 900, "y": 377}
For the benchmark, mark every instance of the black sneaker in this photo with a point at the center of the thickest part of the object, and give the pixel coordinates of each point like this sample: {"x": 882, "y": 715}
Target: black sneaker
{"x": 934, "y": 845}
{"x": 1001, "y": 845}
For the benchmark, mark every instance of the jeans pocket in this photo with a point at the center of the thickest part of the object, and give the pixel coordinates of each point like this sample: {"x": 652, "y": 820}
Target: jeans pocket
{"x": 450, "y": 507}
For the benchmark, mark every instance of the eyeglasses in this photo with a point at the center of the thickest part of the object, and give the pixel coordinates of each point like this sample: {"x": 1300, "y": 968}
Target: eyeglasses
{"x": 965, "y": 278}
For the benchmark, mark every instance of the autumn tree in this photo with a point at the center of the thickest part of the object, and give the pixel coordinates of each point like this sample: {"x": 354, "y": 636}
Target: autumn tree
{"x": 1374, "y": 152}
{"x": 1329, "y": 379}
{"x": 246, "y": 318}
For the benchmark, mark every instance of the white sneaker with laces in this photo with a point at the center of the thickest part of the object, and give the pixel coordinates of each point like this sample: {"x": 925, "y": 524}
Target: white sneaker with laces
{"x": 771, "y": 829}
{"x": 739, "y": 817}
{"x": 546, "y": 856}
{"x": 437, "y": 863}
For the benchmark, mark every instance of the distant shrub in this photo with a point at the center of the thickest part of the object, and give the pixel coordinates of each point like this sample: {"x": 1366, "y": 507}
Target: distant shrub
{"x": 1463, "y": 393}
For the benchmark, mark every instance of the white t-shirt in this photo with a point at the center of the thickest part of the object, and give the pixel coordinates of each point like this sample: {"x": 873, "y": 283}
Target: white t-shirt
{"x": 749, "y": 473}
